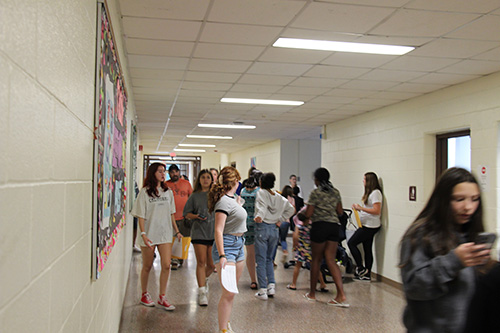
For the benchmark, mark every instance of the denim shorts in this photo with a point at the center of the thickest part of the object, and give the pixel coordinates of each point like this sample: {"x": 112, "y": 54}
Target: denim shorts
{"x": 233, "y": 249}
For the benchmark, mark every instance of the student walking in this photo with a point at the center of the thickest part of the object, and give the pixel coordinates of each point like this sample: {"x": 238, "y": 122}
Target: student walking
{"x": 439, "y": 258}
{"x": 155, "y": 208}
{"x": 202, "y": 232}
{"x": 230, "y": 225}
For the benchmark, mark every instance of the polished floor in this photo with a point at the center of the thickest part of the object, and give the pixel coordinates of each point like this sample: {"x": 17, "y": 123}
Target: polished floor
{"x": 375, "y": 306}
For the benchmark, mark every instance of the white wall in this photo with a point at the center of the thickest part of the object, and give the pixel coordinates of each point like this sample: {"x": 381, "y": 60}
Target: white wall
{"x": 398, "y": 143}
{"x": 47, "y": 75}
{"x": 267, "y": 159}
{"x": 300, "y": 158}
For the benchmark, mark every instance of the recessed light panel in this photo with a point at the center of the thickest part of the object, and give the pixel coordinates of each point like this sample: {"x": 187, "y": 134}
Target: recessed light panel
{"x": 325, "y": 45}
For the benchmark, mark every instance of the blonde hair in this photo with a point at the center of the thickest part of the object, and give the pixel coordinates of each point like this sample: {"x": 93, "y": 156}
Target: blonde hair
{"x": 228, "y": 177}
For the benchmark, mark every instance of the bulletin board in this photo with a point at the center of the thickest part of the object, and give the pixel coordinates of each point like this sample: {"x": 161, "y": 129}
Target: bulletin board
{"x": 110, "y": 136}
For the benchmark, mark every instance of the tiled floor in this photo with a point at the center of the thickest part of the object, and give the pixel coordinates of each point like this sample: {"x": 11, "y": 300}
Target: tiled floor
{"x": 375, "y": 306}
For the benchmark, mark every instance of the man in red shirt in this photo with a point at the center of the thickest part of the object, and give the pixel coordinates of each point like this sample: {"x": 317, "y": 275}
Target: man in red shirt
{"x": 182, "y": 190}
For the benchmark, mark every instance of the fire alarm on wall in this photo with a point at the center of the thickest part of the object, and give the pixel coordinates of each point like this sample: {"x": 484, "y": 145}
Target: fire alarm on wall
{"x": 413, "y": 193}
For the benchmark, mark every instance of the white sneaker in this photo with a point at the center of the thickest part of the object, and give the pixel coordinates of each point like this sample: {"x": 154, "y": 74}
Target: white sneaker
{"x": 262, "y": 294}
{"x": 206, "y": 284}
{"x": 271, "y": 289}
{"x": 202, "y": 296}
{"x": 136, "y": 249}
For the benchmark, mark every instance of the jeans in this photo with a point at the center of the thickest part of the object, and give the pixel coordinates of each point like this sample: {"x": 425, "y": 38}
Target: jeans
{"x": 283, "y": 233}
{"x": 266, "y": 239}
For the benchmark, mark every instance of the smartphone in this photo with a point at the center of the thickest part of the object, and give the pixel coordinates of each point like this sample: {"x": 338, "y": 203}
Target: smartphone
{"x": 487, "y": 238}
{"x": 201, "y": 216}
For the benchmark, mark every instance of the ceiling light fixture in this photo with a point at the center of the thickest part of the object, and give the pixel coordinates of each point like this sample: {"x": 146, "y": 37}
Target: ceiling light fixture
{"x": 191, "y": 150}
{"x": 260, "y": 101}
{"x": 217, "y": 137}
{"x": 325, "y": 45}
{"x": 195, "y": 145}
{"x": 231, "y": 126}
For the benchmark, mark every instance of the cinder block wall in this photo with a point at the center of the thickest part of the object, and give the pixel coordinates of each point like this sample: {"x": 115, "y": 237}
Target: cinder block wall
{"x": 47, "y": 75}
{"x": 398, "y": 143}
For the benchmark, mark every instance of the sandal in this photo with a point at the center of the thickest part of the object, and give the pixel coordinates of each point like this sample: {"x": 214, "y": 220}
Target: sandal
{"x": 338, "y": 304}
{"x": 323, "y": 290}
{"x": 253, "y": 286}
{"x": 290, "y": 287}
{"x": 306, "y": 296}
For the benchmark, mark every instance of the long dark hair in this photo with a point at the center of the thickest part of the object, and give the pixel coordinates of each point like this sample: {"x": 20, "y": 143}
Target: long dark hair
{"x": 228, "y": 177}
{"x": 435, "y": 227}
{"x": 151, "y": 183}
{"x": 371, "y": 184}
{"x": 197, "y": 184}
{"x": 322, "y": 175}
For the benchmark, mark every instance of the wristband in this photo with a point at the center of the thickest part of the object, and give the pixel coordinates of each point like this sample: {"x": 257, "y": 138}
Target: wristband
{"x": 143, "y": 233}
{"x": 222, "y": 256}
{"x": 178, "y": 232}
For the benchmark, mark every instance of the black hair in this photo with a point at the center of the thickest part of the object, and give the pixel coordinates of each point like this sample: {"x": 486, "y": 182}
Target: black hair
{"x": 267, "y": 181}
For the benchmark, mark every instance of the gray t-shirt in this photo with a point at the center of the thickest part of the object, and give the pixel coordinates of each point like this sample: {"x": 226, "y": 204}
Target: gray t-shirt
{"x": 198, "y": 204}
{"x": 236, "y": 215}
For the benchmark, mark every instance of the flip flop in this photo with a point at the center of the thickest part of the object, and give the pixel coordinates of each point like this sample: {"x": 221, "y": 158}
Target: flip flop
{"x": 338, "y": 304}
{"x": 306, "y": 296}
{"x": 253, "y": 286}
{"x": 323, "y": 290}
{"x": 290, "y": 287}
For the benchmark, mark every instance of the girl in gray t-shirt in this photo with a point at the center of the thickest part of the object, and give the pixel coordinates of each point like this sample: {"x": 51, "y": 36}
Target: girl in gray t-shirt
{"x": 202, "y": 232}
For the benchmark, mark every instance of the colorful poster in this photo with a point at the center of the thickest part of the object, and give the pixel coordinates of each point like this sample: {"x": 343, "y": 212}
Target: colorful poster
{"x": 110, "y": 136}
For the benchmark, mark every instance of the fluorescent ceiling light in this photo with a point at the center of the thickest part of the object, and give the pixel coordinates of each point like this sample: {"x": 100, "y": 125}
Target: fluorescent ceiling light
{"x": 233, "y": 126}
{"x": 195, "y": 145}
{"x": 218, "y": 137}
{"x": 191, "y": 150}
{"x": 325, "y": 45}
{"x": 260, "y": 101}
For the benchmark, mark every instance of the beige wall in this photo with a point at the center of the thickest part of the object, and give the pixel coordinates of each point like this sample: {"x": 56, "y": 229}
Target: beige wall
{"x": 267, "y": 157}
{"x": 47, "y": 66}
{"x": 398, "y": 143}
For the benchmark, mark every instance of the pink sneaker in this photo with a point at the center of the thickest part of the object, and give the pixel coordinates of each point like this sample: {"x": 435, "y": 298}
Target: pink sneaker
{"x": 162, "y": 302}
{"x": 146, "y": 300}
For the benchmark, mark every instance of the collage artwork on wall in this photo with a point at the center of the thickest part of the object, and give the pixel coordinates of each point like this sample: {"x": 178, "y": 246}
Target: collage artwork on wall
{"x": 110, "y": 187}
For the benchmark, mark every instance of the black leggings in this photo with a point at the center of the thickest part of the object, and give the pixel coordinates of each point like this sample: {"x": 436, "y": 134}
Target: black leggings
{"x": 363, "y": 236}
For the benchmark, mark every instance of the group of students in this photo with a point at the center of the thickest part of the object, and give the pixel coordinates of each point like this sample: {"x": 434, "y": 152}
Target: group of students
{"x": 439, "y": 259}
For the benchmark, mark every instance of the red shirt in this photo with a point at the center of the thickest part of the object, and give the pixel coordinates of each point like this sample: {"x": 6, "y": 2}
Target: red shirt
{"x": 182, "y": 190}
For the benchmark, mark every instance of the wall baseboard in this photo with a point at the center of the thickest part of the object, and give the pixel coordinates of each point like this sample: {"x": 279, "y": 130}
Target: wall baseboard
{"x": 383, "y": 279}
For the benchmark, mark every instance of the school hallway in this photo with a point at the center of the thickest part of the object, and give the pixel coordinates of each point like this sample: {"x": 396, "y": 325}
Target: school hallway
{"x": 374, "y": 306}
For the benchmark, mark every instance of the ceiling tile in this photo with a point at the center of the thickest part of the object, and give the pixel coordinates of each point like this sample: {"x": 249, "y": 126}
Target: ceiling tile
{"x": 341, "y": 18}
{"x": 483, "y": 6}
{"x": 493, "y": 55}
{"x": 370, "y": 85}
{"x": 158, "y": 47}
{"x": 292, "y": 90}
{"x": 453, "y": 48}
{"x": 484, "y": 28}
{"x": 239, "y": 34}
{"x": 413, "y": 63}
{"x": 338, "y": 72}
{"x": 147, "y": 73}
{"x": 142, "y": 61}
{"x": 160, "y": 29}
{"x": 254, "y": 88}
{"x": 278, "y": 69}
{"x": 278, "y": 54}
{"x": 357, "y": 60}
{"x": 422, "y": 23}
{"x": 212, "y": 76}
{"x": 173, "y": 9}
{"x": 390, "y": 75}
{"x": 265, "y": 79}
{"x": 225, "y": 66}
{"x": 262, "y": 12}
{"x": 473, "y": 67}
{"x": 318, "y": 82}
{"x": 226, "y": 51}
